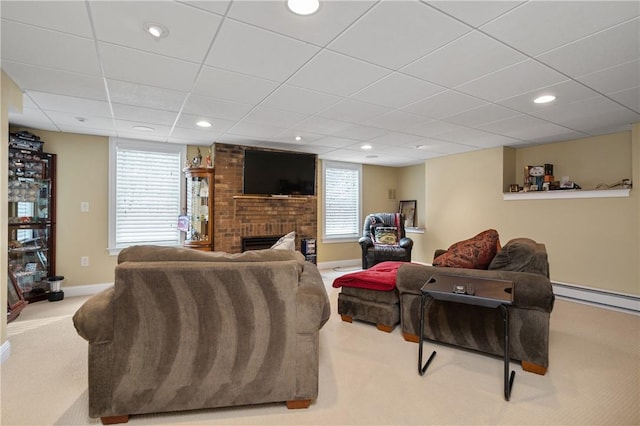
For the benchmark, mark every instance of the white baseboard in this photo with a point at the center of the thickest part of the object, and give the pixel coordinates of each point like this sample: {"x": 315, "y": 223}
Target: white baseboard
{"x": 85, "y": 290}
{"x": 5, "y": 351}
{"x": 340, "y": 264}
{"x": 605, "y": 299}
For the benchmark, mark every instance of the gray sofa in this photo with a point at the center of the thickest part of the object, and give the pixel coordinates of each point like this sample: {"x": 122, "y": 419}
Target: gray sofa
{"x": 183, "y": 329}
{"x": 522, "y": 261}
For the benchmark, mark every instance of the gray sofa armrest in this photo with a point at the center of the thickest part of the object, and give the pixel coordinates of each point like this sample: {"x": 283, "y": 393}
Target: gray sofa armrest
{"x": 94, "y": 319}
{"x": 312, "y": 301}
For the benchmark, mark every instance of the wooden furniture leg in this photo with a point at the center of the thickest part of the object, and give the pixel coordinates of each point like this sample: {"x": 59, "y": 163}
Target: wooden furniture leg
{"x": 534, "y": 368}
{"x": 298, "y": 403}
{"x": 385, "y": 328}
{"x": 346, "y": 318}
{"x": 112, "y": 420}
{"x": 411, "y": 338}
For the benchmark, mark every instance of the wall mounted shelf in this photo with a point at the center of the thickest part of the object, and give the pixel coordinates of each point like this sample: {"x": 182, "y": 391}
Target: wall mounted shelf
{"x": 565, "y": 194}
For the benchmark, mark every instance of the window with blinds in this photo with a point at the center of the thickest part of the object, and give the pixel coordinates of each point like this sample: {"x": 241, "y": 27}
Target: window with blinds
{"x": 342, "y": 187}
{"x": 145, "y": 193}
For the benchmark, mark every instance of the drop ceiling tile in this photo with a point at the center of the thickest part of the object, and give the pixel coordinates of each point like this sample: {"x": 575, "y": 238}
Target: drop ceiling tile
{"x": 605, "y": 49}
{"x": 141, "y": 95}
{"x": 480, "y": 115}
{"x": 46, "y": 48}
{"x": 189, "y": 133}
{"x": 511, "y": 81}
{"x": 397, "y": 90}
{"x": 122, "y": 22}
{"x": 91, "y": 121}
{"x": 444, "y": 104}
{"x": 71, "y": 104}
{"x": 321, "y": 125}
{"x": 273, "y": 117}
{"x": 264, "y": 54}
{"x": 336, "y": 142}
{"x": 524, "y": 127}
{"x": 259, "y": 131}
{"x": 467, "y": 58}
{"x": 629, "y": 98}
{"x": 65, "y": 16}
{"x": 476, "y": 138}
{"x": 353, "y": 111}
{"x": 31, "y": 117}
{"x": 232, "y": 86}
{"x": 564, "y": 22}
{"x": 40, "y": 79}
{"x": 442, "y": 147}
{"x": 313, "y": 148}
{"x": 289, "y": 136}
{"x": 359, "y": 132}
{"x": 296, "y": 99}
{"x": 215, "y": 108}
{"x": 386, "y": 35}
{"x": 395, "y": 139}
{"x": 475, "y": 13}
{"x": 137, "y": 135}
{"x": 319, "y": 28}
{"x": 218, "y": 6}
{"x": 135, "y": 66}
{"x": 144, "y": 115}
{"x": 614, "y": 79}
{"x": 337, "y": 74}
{"x": 188, "y": 122}
{"x": 396, "y": 120}
{"x": 126, "y": 128}
{"x": 68, "y": 128}
{"x": 566, "y": 92}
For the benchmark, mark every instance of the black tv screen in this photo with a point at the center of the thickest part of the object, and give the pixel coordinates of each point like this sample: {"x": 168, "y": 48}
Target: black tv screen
{"x": 279, "y": 173}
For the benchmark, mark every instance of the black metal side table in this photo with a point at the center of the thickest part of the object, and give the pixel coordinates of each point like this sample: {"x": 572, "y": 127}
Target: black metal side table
{"x": 489, "y": 293}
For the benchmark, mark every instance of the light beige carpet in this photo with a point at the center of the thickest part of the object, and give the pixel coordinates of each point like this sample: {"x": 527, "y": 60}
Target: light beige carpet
{"x": 367, "y": 377}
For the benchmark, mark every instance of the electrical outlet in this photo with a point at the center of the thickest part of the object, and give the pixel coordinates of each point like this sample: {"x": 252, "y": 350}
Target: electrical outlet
{"x": 84, "y": 206}
{"x": 84, "y": 261}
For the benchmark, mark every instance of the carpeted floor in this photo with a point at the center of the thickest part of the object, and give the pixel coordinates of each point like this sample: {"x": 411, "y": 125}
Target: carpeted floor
{"x": 367, "y": 377}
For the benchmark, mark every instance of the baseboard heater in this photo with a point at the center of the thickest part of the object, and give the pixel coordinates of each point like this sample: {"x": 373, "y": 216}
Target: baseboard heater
{"x": 605, "y": 299}
{"x": 258, "y": 243}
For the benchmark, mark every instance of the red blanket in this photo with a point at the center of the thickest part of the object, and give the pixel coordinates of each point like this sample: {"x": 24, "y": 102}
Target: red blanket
{"x": 381, "y": 276}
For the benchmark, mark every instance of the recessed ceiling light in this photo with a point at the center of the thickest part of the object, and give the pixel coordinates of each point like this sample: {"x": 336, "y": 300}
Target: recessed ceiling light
{"x": 203, "y": 123}
{"x": 420, "y": 147}
{"x": 365, "y": 147}
{"x": 298, "y": 138}
{"x": 143, "y": 128}
{"x": 81, "y": 119}
{"x": 156, "y": 30}
{"x": 544, "y": 99}
{"x": 303, "y": 7}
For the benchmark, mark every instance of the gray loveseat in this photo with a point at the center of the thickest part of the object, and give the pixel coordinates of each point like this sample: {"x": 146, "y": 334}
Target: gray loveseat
{"x": 183, "y": 329}
{"x": 522, "y": 261}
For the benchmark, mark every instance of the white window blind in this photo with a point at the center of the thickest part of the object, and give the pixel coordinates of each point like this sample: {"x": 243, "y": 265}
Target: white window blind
{"x": 146, "y": 184}
{"x": 342, "y": 185}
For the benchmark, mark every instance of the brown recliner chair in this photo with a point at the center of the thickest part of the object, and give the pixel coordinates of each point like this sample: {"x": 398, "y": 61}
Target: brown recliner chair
{"x": 377, "y": 241}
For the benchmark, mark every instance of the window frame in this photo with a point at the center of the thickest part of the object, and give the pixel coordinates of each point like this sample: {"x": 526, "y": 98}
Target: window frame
{"x": 341, "y": 238}
{"x": 140, "y": 145}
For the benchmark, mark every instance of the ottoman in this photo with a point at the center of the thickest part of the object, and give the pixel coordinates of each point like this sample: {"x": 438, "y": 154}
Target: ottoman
{"x": 371, "y": 296}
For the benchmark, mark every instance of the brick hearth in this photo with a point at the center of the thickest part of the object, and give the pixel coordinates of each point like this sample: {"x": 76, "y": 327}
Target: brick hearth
{"x": 237, "y": 216}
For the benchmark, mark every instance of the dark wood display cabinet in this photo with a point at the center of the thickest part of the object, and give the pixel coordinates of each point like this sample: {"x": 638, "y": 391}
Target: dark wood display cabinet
{"x": 198, "y": 222}
{"x": 32, "y": 227}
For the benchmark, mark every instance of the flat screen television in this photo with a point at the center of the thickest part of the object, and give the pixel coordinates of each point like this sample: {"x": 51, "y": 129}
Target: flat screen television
{"x": 279, "y": 173}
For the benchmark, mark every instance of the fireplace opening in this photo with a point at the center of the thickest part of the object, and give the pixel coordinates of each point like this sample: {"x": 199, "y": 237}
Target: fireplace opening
{"x": 258, "y": 243}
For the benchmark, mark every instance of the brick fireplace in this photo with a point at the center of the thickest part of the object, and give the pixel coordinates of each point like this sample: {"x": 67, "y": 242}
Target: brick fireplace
{"x": 237, "y": 216}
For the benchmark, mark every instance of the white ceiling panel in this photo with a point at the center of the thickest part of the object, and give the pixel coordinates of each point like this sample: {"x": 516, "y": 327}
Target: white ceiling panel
{"x": 467, "y": 58}
{"x": 513, "y": 80}
{"x": 397, "y": 90}
{"x": 603, "y": 50}
{"x": 135, "y": 66}
{"x": 266, "y": 54}
{"x": 42, "y": 47}
{"x": 122, "y": 22}
{"x": 293, "y": 98}
{"x": 232, "y": 86}
{"x": 473, "y": 12}
{"x": 65, "y": 16}
{"x": 540, "y": 26}
{"x": 336, "y": 74}
{"x": 319, "y": 28}
{"x": 453, "y": 76}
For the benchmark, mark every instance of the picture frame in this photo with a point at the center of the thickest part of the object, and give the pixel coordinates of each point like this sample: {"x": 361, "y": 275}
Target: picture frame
{"x": 408, "y": 210}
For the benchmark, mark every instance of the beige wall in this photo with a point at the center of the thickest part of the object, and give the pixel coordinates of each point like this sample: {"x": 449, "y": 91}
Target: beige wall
{"x": 411, "y": 186}
{"x": 10, "y": 97}
{"x": 591, "y": 242}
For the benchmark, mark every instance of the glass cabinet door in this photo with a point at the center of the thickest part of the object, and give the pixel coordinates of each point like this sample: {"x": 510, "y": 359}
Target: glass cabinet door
{"x": 199, "y": 205}
{"x": 29, "y": 263}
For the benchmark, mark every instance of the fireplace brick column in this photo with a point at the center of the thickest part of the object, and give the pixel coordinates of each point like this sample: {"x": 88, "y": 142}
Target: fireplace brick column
{"x": 237, "y": 216}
